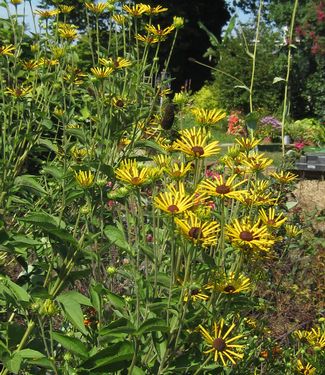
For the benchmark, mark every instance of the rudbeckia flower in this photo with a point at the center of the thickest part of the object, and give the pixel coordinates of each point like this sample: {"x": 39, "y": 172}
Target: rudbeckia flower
{"x": 130, "y": 172}
{"x": 221, "y": 346}
{"x": 231, "y": 284}
{"x": 218, "y": 187}
{"x": 198, "y": 231}
{"x": 247, "y": 235}
{"x": 194, "y": 142}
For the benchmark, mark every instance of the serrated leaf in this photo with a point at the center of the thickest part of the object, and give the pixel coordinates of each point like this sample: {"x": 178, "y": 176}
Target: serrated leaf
{"x": 72, "y": 344}
{"x": 23, "y": 241}
{"x": 29, "y": 182}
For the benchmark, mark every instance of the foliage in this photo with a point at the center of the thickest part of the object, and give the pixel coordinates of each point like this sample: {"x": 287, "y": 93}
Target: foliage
{"x": 306, "y": 130}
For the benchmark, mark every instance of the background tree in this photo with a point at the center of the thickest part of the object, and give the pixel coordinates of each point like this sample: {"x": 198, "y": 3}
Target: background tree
{"x": 191, "y": 41}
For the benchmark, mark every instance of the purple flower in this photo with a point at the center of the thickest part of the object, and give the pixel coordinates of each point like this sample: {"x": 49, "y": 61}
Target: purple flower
{"x": 270, "y": 120}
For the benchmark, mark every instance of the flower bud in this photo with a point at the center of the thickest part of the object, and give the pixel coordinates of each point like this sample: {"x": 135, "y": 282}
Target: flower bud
{"x": 178, "y": 22}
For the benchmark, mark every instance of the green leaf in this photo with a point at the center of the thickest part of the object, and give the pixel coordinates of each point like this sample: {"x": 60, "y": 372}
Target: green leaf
{"x": 72, "y": 344}
{"x": 23, "y": 241}
{"x": 74, "y": 296}
{"x": 48, "y": 144}
{"x": 150, "y": 144}
{"x": 19, "y": 292}
{"x": 14, "y": 363}
{"x": 31, "y": 354}
{"x": 278, "y": 79}
{"x": 116, "y": 237}
{"x": 213, "y": 39}
{"x": 117, "y": 301}
{"x": 56, "y": 172}
{"x": 243, "y": 87}
{"x": 29, "y": 182}
{"x": 152, "y": 325}
{"x": 85, "y": 113}
{"x": 78, "y": 133}
{"x": 43, "y": 220}
{"x": 138, "y": 371}
{"x": 73, "y": 313}
{"x": 113, "y": 358}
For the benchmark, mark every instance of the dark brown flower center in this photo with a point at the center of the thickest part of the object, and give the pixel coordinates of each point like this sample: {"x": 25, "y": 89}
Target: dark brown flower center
{"x": 222, "y": 189}
{"x": 229, "y": 289}
{"x": 195, "y": 232}
{"x": 198, "y": 150}
{"x": 173, "y": 208}
{"x": 135, "y": 180}
{"x": 246, "y": 236}
{"x": 119, "y": 103}
{"x": 194, "y": 292}
{"x": 271, "y": 222}
{"x": 219, "y": 344}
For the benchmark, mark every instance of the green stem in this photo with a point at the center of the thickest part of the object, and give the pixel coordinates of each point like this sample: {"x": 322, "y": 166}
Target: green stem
{"x": 286, "y": 87}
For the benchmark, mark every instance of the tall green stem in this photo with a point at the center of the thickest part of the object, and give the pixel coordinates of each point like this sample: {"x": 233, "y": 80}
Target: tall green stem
{"x": 286, "y": 87}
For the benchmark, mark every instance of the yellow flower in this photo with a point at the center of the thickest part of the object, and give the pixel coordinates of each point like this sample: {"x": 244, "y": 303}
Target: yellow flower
{"x": 158, "y": 32}
{"x": 101, "y": 73}
{"x": 162, "y": 160}
{"x": 67, "y": 31}
{"x": 292, "y": 231}
{"x": 151, "y": 11}
{"x": 307, "y": 369}
{"x": 195, "y": 294}
{"x": 178, "y": 170}
{"x": 174, "y": 201}
{"x": 194, "y": 142}
{"x": 220, "y": 345}
{"x": 119, "y": 102}
{"x": 96, "y": 8}
{"x": 284, "y": 177}
{"x": 7, "y": 50}
{"x": 18, "y": 92}
{"x": 178, "y": 22}
{"x": 247, "y": 235}
{"x": 74, "y": 76}
{"x": 48, "y": 62}
{"x": 117, "y": 63}
{"x": 254, "y": 198}
{"x": 119, "y": 19}
{"x": 316, "y": 338}
{"x": 30, "y": 64}
{"x": 231, "y": 284}
{"x": 47, "y": 13}
{"x": 85, "y": 179}
{"x": 16, "y": 2}
{"x": 256, "y": 162}
{"x": 222, "y": 189}
{"x": 208, "y": 117}
{"x": 260, "y": 186}
{"x": 197, "y": 231}
{"x": 180, "y": 98}
{"x": 148, "y": 39}
{"x": 79, "y": 153}
{"x": 247, "y": 144}
{"x": 302, "y": 335}
{"x": 65, "y": 9}
{"x": 270, "y": 220}
{"x": 165, "y": 144}
{"x": 130, "y": 172}
{"x": 136, "y": 10}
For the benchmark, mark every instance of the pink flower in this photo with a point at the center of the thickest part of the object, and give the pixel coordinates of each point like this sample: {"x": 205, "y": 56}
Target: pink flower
{"x": 299, "y": 145}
